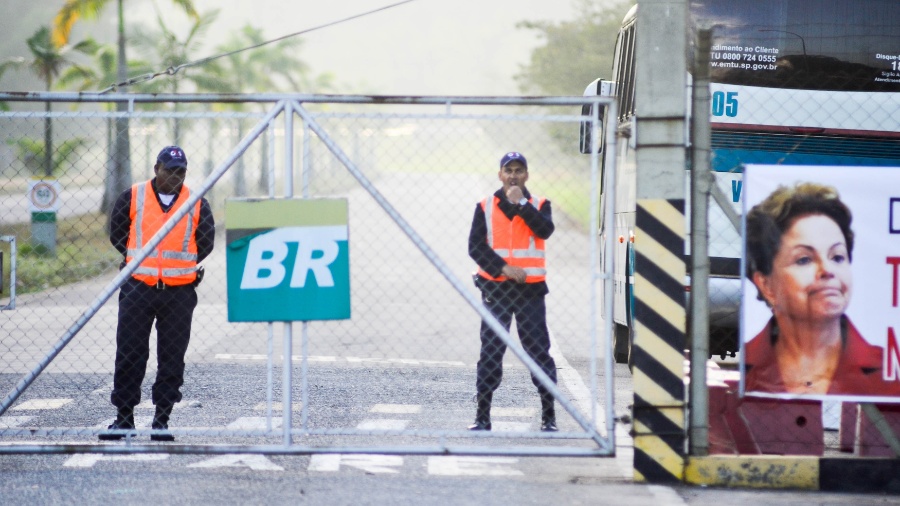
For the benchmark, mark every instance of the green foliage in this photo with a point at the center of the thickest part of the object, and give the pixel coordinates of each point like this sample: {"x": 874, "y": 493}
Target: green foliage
{"x": 574, "y": 52}
{"x": 165, "y": 50}
{"x": 31, "y": 152}
{"x": 275, "y": 67}
{"x": 82, "y": 252}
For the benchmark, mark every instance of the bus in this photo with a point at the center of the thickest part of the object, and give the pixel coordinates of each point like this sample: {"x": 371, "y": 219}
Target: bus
{"x": 792, "y": 82}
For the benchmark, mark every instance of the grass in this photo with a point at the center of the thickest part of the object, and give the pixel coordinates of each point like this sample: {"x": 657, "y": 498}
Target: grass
{"x": 83, "y": 251}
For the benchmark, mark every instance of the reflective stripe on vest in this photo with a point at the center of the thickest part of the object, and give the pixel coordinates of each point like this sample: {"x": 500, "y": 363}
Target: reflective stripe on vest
{"x": 174, "y": 261}
{"x": 513, "y": 241}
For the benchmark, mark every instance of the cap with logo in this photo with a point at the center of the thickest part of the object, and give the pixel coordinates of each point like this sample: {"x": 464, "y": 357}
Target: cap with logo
{"x": 172, "y": 156}
{"x": 513, "y": 156}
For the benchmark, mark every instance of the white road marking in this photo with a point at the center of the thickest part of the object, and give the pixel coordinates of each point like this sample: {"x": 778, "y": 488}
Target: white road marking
{"x": 666, "y": 495}
{"x": 472, "y": 466}
{"x": 254, "y": 462}
{"x": 313, "y": 358}
{"x": 239, "y": 356}
{"x": 276, "y": 406}
{"x": 396, "y": 408}
{"x": 36, "y": 404}
{"x": 405, "y": 361}
{"x": 513, "y": 412}
{"x": 89, "y": 459}
{"x": 8, "y": 422}
{"x": 325, "y": 463}
{"x": 351, "y": 360}
{"x": 148, "y": 404}
{"x": 376, "y": 464}
{"x": 253, "y": 423}
{"x": 510, "y": 426}
{"x": 382, "y": 424}
{"x": 581, "y": 395}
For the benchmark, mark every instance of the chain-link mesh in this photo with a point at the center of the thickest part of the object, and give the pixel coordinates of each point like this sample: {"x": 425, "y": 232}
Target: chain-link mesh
{"x": 405, "y": 362}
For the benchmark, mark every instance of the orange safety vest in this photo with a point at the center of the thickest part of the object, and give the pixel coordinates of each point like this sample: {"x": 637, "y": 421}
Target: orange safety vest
{"x": 514, "y": 241}
{"x": 174, "y": 261}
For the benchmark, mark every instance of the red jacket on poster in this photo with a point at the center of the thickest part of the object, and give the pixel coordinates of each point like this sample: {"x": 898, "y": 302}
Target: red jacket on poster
{"x": 859, "y": 371}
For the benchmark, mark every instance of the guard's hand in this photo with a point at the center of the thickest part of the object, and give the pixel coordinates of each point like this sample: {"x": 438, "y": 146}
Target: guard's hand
{"x": 514, "y": 194}
{"x": 516, "y": 274}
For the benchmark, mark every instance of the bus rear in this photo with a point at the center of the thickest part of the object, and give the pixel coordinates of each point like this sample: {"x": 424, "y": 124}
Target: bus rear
{"x": 793, "y": 82}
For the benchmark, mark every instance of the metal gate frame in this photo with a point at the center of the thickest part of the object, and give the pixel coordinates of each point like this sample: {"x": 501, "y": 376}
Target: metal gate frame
{"x": 288, "y": 105}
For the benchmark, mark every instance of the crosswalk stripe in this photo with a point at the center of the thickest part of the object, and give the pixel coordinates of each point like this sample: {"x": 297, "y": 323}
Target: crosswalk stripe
{"x": 472, "y": 466}
{"x": 38, "y": 404}
{"x": 511, "y": 426}
{"x": 382, "y": 424}
{"x": 8, "y": 422}
{"x": 396, "y": 408}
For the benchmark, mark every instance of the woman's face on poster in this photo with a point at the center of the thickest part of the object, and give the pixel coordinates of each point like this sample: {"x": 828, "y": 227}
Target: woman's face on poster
{"x": 810, "y": 278}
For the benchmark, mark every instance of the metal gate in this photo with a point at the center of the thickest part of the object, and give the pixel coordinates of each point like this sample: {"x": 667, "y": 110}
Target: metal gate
{"x": 399, "y": 375}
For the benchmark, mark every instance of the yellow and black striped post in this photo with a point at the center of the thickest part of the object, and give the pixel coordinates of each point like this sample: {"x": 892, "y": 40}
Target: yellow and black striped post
{"x": 659, "y": 340}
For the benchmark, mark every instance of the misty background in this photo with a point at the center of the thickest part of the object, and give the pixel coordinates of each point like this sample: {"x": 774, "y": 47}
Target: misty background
{"x": 426, "y": 47}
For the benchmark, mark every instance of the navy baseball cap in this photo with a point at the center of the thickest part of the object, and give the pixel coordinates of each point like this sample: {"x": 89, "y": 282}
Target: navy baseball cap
{"x": 513, "y": 156}
{"x": 172, "y": 156}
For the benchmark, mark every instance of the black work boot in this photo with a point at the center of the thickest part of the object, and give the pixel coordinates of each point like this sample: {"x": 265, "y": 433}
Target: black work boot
{"x": 548, "y": 414}
{"x": 161, "y": 424}
{"x": 124, "y": 421}
{"x": 483, "y": 412}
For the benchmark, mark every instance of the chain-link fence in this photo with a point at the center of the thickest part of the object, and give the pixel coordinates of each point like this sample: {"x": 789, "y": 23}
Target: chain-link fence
{"x": 401, "y": 371}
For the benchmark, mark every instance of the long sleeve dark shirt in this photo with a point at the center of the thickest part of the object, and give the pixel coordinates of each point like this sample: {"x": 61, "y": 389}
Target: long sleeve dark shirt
{"x": 120, "y": 223}
{"x": 540, "y": 221}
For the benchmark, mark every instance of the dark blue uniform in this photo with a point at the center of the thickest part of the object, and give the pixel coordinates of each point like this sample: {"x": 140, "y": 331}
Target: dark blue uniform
{"x": 140, "y": 305}
{"x": 508, "y": 299}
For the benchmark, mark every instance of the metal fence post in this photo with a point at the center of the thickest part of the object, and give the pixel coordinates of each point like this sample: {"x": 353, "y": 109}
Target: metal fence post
{"x": 700, "y": 182}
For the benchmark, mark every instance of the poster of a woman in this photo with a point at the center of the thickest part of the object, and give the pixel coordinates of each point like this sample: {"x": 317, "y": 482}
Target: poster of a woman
{"x": 802, "y": 247}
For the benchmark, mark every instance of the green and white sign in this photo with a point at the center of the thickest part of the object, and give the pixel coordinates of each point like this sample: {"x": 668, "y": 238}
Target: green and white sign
{"x": 287, "y": 260}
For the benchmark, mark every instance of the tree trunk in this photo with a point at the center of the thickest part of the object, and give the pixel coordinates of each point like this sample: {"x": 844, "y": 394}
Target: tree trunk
{"x": 48, "y": 142}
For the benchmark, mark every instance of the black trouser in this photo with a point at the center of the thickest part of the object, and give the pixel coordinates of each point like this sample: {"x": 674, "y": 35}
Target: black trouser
{"x": 531, "y": 322}
{"x": 172, "y": 309}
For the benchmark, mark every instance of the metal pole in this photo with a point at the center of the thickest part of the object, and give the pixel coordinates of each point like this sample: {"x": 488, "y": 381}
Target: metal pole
{"x": 700, "y": 183}
{"x": 126, "y": 272}
{"x": 287, "y": 405}
{"x": 304, "y": 338}
{"x": 12, "y": 274}
{"x": 270, "y": 341}
{"x": 593, "y": 255}
{"x": 609, "y": 165}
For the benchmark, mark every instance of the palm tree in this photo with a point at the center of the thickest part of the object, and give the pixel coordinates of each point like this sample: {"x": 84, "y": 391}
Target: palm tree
{"x": 166, "y": 50}
{"x": 70, "y": 12}
{"x": 47, "y": 62}
{"x": 100, "y": 75}
{"x": 269, "y": 68}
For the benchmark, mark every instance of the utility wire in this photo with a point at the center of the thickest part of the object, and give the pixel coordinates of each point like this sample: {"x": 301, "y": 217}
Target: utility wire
{"x": 171, "y": 71}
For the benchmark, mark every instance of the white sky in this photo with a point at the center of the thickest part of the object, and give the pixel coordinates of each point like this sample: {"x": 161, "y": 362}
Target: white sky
{"x": 427, "y": 47}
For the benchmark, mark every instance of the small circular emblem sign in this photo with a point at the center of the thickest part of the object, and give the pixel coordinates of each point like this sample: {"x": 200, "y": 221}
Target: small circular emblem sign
{"x": 44, "y": 196}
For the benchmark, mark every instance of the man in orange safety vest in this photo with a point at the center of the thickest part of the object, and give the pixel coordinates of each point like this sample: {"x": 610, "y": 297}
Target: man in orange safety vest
{"x": 506, "y": 240}
{"x": 161, "y": 289}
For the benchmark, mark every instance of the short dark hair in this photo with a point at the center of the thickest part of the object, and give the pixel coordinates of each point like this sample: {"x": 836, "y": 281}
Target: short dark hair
{"x": 768, "y": 221}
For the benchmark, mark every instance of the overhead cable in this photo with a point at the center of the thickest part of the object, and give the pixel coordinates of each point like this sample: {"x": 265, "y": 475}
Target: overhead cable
{"x": 171, "y": 71}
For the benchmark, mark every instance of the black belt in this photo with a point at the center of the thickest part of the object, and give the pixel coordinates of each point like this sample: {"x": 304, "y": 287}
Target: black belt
{"x": 162, "y": 286}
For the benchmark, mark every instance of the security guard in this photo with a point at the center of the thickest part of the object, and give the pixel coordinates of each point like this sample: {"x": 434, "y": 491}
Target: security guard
{"x": 161, "y": 289}
{"x": 507, "y": 242}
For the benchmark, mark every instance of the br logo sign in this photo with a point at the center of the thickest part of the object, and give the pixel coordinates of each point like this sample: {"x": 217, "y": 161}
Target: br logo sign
{"x": 287, "y": 260}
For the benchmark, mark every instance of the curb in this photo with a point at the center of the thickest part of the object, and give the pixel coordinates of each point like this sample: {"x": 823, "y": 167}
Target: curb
{"x": 804, "y": 473}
